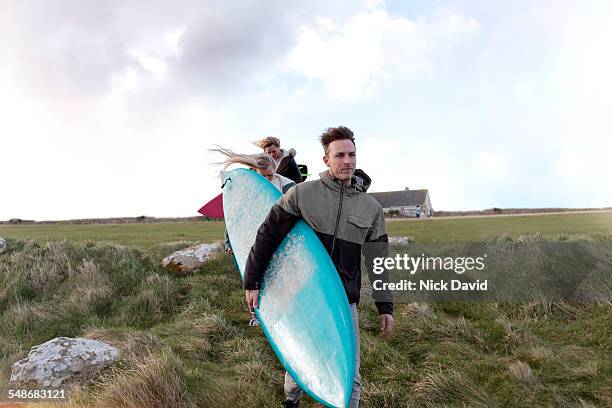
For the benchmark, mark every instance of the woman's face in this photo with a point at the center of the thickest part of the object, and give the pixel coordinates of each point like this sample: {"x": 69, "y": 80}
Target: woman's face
{"x": 267, "y": 173}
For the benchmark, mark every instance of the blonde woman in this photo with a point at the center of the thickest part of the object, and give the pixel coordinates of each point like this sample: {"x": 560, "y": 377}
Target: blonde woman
{"x": 261, "y": 163}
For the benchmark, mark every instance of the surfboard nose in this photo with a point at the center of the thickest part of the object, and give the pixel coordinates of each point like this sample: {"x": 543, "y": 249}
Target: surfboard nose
{"x": 224, "y": 176}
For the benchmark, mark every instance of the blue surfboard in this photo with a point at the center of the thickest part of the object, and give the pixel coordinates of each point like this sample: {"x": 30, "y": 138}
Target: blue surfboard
{"x": 303, "y": 308}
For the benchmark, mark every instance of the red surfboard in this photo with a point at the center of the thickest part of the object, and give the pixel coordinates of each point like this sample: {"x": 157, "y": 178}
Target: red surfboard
{"x": 213, "y": 208}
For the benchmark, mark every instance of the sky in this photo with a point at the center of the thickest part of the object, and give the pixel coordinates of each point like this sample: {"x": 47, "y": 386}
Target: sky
{"x": 108, "y": 109}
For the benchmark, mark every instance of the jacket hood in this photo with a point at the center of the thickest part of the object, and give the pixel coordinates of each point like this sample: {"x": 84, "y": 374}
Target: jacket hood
{"x": 289, "y": 152}
{"x": 360, "y": 182}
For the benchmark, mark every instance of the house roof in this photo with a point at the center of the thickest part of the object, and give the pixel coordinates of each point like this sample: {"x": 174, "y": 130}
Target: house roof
{"x": 400, "y": 198}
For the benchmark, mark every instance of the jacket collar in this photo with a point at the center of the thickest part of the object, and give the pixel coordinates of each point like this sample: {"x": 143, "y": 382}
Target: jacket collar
{"x": 335, "y": 184}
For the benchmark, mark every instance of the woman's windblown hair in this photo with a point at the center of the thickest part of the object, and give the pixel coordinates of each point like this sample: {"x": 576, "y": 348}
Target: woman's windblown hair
{"x": 259, "y": 161}
{"x": 267, "y": 142}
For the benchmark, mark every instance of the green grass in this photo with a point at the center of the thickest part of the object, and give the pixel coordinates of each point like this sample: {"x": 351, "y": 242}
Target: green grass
{"x": 185, "y": 340}
{"x": 480, "y": 228}
{"x": 425, "y": 230}
{"x": 138, "y": 235}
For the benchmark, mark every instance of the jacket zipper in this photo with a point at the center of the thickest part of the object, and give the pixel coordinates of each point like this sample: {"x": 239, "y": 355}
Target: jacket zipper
{"x": 337, "y": 219}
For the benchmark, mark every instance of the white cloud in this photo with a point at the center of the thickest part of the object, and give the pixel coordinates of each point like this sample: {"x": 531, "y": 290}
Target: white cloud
{"x": 574, "y": 165}
{"x": 375, "y": 152}
{"x": 583, "y": 174}
{"x": 544, "y": 73}
{"x": 353, "y": 60}
{"x": 108, "y": 109}
{"x": 492, "y": 166}
{"x": 545, "y": 88}
{"x": 154, "y": 65}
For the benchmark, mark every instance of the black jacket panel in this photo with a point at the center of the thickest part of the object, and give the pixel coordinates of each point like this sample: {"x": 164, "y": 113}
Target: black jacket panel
{"x": 288, "y": 168}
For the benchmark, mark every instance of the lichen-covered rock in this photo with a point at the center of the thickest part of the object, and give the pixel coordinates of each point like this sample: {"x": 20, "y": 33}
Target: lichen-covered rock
{"x": 191, "y": 258}
{"x": 2, "y": 245}
{"x": 57, "y": 361}
{"x": 401, "y": 240}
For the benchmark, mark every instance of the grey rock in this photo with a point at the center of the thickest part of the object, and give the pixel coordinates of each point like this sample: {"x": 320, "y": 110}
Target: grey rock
{"x": 191, "y": 258}
{"x": 401, "y": 240}
{"x": 59, "y": 360}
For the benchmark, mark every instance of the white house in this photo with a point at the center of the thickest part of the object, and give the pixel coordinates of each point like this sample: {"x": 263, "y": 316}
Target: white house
{"x": 407, "y": 203}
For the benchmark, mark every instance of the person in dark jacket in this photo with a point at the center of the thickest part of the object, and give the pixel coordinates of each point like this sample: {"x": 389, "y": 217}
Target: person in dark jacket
{"x": 346, "y": 220}
{"x": 283, "y": 159}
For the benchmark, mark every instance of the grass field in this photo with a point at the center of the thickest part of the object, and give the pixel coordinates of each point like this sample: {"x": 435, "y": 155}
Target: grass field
{"x": 185, "y": 341}
{"x": 486, "y": 227}
{"x": 425, "y": 230}
{"x": 140, "y": 235}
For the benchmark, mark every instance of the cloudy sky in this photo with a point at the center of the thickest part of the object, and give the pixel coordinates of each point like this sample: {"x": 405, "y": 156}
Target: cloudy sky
{"x": 108, "y": 108}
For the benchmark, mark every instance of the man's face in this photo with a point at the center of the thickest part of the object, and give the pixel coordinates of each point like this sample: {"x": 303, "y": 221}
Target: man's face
{"x": 341, "y": 158}
{"x": 273, "y": 151}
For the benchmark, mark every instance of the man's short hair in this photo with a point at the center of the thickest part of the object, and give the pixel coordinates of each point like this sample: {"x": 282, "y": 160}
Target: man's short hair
{"x": 336, "y": 133}
{"x": 267, "y": 142}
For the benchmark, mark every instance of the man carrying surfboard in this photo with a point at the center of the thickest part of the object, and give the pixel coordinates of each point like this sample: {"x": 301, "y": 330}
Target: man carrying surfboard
{"x": 345, "y": 219}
